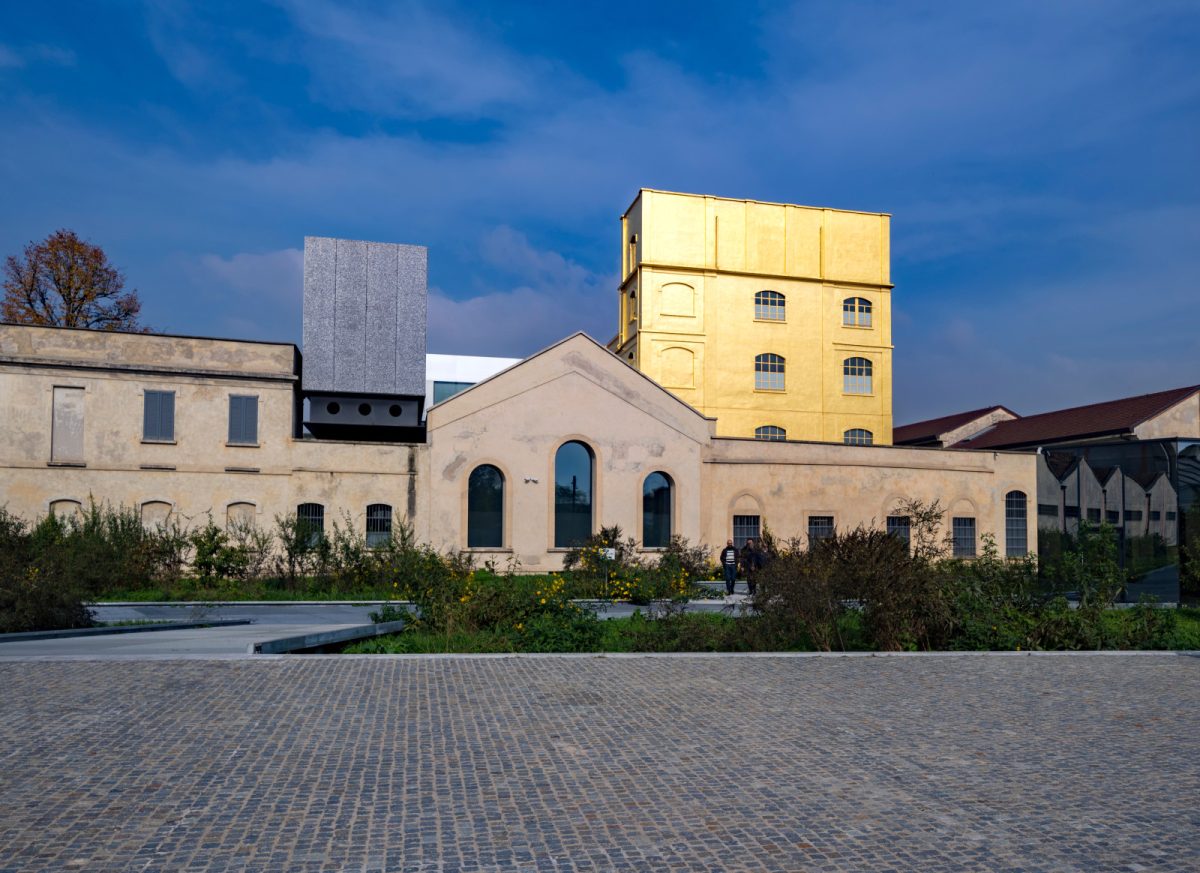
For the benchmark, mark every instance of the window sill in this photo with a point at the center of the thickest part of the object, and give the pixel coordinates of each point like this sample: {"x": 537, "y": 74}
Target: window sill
{"x": 65, "y": 464}
{"x": 859, "y": 326}
{"x": 770, "y": 391}
{"x": 857, "y": 394}
{"x": 167, "y": 467}
{"x": 146, "y": 442}
{"x": 242, "y": 470}
{"x": 488, "y": 550}
{"x": 242, "y": 445}
{"x": 771, "y": 320}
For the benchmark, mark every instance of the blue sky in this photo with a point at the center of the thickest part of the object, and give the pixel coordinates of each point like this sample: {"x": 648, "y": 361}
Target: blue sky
{"x": 1041, "y": 161}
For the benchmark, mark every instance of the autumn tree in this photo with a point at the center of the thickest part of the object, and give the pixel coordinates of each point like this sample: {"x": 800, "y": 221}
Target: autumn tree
{"x": 64, "y": 281}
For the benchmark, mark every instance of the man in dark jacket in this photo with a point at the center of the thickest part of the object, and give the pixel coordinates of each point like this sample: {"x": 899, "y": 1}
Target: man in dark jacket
{"x": 729, "y": 563}
{"x": 752, "y": 560}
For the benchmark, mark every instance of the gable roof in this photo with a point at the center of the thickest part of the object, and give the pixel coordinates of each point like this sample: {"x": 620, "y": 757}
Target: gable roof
{"x": 931, "y": 429}
{"x": 587, "y": 342}
{"x": 1112, "y": 417}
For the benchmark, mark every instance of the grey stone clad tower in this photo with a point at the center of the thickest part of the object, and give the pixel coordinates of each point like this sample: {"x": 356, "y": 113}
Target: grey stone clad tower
{"x": 364, "y": 339}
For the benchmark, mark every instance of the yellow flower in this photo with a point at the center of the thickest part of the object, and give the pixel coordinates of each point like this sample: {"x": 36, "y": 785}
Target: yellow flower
{"x": 543, "y": 601}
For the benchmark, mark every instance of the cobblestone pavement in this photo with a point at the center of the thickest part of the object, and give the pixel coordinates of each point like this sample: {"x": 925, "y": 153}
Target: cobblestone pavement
{"x": 989, "y": 763}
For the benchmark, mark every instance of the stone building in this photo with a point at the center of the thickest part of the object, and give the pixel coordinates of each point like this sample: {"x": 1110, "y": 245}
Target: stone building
{"x": 522, "y": 463}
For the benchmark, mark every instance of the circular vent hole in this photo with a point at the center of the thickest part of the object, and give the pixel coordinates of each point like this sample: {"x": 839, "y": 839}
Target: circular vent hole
{"x": 333, "y": 408}
{"x": 394, "y": 410}
{"x": 364, "y": 409}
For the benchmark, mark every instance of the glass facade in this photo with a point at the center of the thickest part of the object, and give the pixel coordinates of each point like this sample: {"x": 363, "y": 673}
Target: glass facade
{"x": 573, "y": 467}
{"x": 485, "y": 508}
{"x": 446, "y": 390}
{"x": 656, "y": 511}
{"x": 1153, "y": 487}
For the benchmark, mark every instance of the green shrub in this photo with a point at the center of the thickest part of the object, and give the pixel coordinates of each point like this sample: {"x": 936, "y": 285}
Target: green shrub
{"x": 37, "y": 590}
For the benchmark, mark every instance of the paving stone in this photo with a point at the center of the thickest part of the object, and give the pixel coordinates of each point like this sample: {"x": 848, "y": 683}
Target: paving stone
{"x": 1064, "y": 763}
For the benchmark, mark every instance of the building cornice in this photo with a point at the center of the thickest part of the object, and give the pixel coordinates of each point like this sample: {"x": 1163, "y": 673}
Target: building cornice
{"x": 144, "y": 369}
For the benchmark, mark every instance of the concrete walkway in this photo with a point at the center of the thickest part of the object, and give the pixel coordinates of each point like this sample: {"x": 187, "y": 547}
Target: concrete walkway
{"x": 205, "y": 642}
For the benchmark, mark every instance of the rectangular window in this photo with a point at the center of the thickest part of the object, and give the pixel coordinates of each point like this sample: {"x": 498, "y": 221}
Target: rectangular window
{"x": 964, "y": 537}
{"x": 1112, "y": 516}
{"x": 158, "y": 417}
{"x": 1170, "y": 515}
{"x": 745, "y": 527}
{"x": 1048, "y": 509}
{"x": 1071, "y": 512}
{"x": 820, "y": 527}
{"x": 1155, "y": 515}
{"x": 1093, "y": 514}
{"x": 243, "y": 419}
{"x": 900, "y": 526}
{"x": 1133, "y": 515}
{"x": 379, "y": 524}
{"x": 446, "y": 390}
{"x": 66, "y": 426}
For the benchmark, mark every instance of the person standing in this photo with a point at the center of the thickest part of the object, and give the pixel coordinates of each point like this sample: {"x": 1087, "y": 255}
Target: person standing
{"x": 729, "y": 563}
{"x": 750, "y": 561}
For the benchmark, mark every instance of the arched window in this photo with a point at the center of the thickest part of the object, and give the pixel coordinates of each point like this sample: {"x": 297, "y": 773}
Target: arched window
{"x": 856, "y": 312}
{"x": 770, "y": 432}
{"x": 66, "y": 509}
{"x": 240, "y": 514}
{"x": 155, "y": 514}
{"x": 857, "y": 436}
{"x": 856, "y": 376}
{"x": 768, "y": 372}
{"x": 379, "y": 524}
{"x": 656, "y": 511}
{"x": 310, "y": 522}
{"x": 1016, "y": 513}
{"x": 769, "y": 306}
{"x": 485, "y": 508}
{"x": 573, "y": 467}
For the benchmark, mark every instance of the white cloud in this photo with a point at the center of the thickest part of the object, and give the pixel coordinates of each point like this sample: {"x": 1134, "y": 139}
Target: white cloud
{"x": 278, "y": 275}
{"x": 32, "y": 54}
{"x": 409, "y": 59}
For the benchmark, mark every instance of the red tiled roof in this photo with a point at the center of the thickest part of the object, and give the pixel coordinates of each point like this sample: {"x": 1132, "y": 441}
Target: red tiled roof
{"x": 927, "y": 431}
{"x": 1079, "y": 422}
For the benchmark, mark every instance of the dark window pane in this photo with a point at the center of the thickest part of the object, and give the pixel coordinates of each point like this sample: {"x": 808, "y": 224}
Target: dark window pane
{"x": 745, "y": 527}
{"x": 572, "y": 495}
{"x": 1016, "y": 515}
{"x": 900, "y": 526}
{"x": 964, "y": 537}
{"x": 1093, "y": 515}
{"x": 445, "y": 390}
{"x": 311, "y": 518}
{"x": 1048, "y": 509}
{"x": 656, "y": 511}
{"x": 820, "y": 527}
{"x": 379, "y": 524}
{"x": 485, "y": 508}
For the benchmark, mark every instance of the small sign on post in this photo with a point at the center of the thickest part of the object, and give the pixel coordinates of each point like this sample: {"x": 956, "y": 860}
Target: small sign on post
{"x": 610, "y": 554}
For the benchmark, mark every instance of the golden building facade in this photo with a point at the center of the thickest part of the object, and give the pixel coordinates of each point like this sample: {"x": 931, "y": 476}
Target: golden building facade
{"x": 773, "y": 319}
